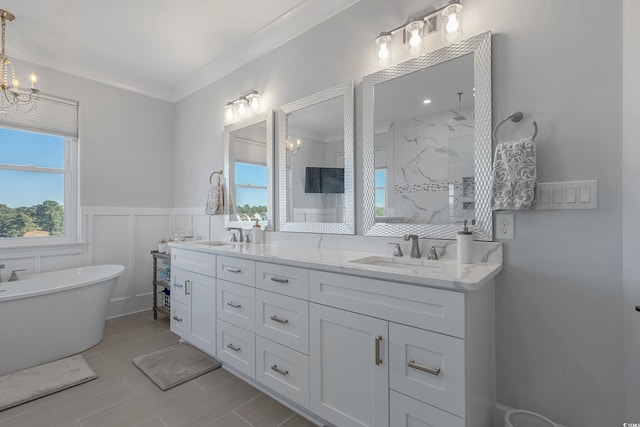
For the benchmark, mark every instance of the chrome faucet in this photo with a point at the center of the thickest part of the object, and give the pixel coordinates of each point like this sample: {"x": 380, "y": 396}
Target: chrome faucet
{"x": 239, "y": 230}
{"x": 14, "y": 275}
{"x": 433, "y": 253}
{"x": 415, "y": 249}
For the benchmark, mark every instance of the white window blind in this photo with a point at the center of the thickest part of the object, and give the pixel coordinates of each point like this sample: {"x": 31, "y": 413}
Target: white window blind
{"x": 52, "y": 115}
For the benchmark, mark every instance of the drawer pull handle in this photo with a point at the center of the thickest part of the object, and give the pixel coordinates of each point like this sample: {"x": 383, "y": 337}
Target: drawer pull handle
{"x": 177, "y": 319}
{"x": 414, "y": 365}
{"x": 280, "y": 371}
{"x": 378, "y": 341}
{"x": 279, "y": 280}
{"x": 231, "y": 346}
{"x": 277, "y": 319}
{"x": 233, "y": 270}
{"x": 186, "y": 287}
{"x": 177, "y": 285}
{"x": 234, "y": 305}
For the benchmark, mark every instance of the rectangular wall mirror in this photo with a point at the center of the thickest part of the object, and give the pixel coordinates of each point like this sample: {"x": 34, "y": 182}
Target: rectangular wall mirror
{"x": 315, "y": 139}
{"x": 427, "y": 144}
{"x": 248, "y": 168}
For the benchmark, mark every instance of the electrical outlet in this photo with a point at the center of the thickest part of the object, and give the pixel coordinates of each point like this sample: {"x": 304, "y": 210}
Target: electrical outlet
{"x": 504, "y": 226}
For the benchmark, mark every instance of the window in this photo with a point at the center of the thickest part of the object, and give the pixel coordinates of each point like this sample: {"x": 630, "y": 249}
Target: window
{"x": 38, "y": 175}
{"x": 380, "y": 183}
{"x": 251, "y": 191}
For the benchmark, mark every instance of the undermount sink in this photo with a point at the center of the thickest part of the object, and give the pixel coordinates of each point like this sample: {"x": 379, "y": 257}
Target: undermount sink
{"x": 214, "y": 243}
{"x": 400, "y": 263}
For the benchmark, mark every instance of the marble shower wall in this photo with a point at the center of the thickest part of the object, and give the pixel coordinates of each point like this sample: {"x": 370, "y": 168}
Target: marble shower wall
{"x": 430, "y": 167}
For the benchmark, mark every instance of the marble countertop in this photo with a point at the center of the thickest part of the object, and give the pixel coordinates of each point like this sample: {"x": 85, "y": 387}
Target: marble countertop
{"x": 448, "y": 274}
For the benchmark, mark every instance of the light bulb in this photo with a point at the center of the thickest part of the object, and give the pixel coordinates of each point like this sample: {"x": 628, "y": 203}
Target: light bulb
{"x": 16, "y": 85}
{"x": 382, "y": 48}
{"x": 414, "y": 28}
{"x": 383, "y": 51}
{"x": 242, "y": 106}
{"x": 255, "y": 102}
{"x": 228, "y": 112}
{"x": 34, "y": 80}
{"x": 415, "y": 39}
{"x": 452, "y": 23}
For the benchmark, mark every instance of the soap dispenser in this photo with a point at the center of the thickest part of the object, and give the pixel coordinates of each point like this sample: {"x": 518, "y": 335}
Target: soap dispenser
{"x": 258, "y": 237}
{"x": 465, "y": 244}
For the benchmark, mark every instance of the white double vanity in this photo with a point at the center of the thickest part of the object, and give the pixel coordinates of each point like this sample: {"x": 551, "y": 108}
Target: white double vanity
{"x": 351, "y": 338}
{"x": 344, "y": 338}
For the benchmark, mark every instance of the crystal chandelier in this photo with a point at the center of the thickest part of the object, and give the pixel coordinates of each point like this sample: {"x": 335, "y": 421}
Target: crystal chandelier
{"x": 23, "y": 100}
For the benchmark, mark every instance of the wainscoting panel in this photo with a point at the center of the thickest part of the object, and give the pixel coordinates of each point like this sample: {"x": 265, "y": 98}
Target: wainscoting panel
{"x": 110, "y": 242}
{"x": 148, "y": 231}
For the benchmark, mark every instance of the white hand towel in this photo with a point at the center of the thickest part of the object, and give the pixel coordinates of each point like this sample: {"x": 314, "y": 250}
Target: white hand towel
{"x": 513, "y": 179}
{"x": 215, "y": 200}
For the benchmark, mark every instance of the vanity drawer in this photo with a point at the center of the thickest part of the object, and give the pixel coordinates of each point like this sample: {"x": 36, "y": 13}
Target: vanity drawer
{"x": 282, "y": 319}
{"x": 237, "y": 270}
{"x": 179, "y": 318}
{"x": 237, "y": 348}
{"x": 434, "y": 309}
{"x": 290, "y": 281}
{"x": 407, "y": 412}
{"x": 283, "y": 370}
{"x": 427, "y": 366}
{"x": 198, "y": 262}
{"x": 237, "y": 304}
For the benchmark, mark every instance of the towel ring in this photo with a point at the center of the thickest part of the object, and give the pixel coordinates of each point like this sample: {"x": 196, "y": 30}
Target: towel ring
{"x": 515, "y": 117}
{"x": 218, "y": 172}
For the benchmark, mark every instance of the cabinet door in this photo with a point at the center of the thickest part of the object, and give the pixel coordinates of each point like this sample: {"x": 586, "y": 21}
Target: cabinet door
{"x": 178, "y": 279}
{"x": 201, "y": 291}
{"x": 349, "y": 367}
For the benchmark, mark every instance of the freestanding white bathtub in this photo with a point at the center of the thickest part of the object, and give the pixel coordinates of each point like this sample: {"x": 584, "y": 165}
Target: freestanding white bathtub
{"x": 53, "y": 315}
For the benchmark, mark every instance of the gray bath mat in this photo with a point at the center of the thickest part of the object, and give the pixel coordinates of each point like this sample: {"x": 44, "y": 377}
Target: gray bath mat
{"x": 175, "y": 365}
{"x": 33, "y": 383}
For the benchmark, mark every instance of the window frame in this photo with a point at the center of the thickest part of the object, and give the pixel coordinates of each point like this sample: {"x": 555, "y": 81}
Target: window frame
{"x": 252, "y": 187}
{"x": 53, "y": 245}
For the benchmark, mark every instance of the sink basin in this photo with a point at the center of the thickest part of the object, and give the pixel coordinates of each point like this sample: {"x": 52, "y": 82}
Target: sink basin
{"x": 400, "y": 263}
{"x": 214, "y": 243}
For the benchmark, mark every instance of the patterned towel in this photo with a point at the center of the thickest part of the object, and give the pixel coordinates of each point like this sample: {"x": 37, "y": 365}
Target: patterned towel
{"x": 215, "y": 200}
{"x": 513, "y": 179}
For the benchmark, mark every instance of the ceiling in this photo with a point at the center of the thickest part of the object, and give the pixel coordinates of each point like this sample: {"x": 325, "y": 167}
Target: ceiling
{"x": 154, "y": 47}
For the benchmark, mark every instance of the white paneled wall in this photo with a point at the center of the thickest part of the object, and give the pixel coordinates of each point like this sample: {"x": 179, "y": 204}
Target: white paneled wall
{"x": 123, "y": 235}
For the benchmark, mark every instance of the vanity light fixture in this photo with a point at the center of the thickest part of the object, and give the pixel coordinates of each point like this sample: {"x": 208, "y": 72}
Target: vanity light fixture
{"x": 242, "y": 107}
{"x": 291, "y": 147}
{"x": 417, "y": 28}
{"x": 23, "y": 100}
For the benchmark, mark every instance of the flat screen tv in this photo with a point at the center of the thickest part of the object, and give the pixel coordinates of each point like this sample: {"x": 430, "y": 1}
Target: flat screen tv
{"x": 324, "y": 180}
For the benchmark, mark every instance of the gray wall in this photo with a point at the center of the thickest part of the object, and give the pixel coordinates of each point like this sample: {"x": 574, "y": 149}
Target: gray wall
{"x": 631, "y": 206}
{"x": 559, "y": 299}
{"x": 126, "y": 141}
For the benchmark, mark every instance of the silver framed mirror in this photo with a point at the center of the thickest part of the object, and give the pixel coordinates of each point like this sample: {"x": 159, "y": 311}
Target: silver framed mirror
{"x": 316, "y": 172}
{"x": 248, "y": 170}
{"x": 427, "y": 144}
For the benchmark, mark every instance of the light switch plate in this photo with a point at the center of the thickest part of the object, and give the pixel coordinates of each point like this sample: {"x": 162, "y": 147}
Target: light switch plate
{"x": 504, "y": 226}
{"x": 567, "y": 195}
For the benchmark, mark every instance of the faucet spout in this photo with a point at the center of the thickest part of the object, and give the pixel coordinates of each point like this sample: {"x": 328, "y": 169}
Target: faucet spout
{"x": 415, "y": 249}
{"x": 14, "y": 275}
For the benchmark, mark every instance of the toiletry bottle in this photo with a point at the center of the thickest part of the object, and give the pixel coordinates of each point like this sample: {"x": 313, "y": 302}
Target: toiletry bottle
{"x": 257, "y": 232}
{"x": 465, "y": 245}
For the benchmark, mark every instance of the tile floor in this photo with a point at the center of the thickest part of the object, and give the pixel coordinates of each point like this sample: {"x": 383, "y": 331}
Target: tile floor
{"x": 122, "y": 396}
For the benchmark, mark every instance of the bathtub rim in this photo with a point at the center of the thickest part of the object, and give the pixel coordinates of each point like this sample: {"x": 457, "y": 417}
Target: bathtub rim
{"x": 80, "y": 279}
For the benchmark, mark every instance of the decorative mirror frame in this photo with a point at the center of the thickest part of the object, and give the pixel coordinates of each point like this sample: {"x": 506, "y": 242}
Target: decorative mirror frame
{"x": 267, "y": 117}
{"x": 348, "y": 226}
{"x": 480, "y": 47}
